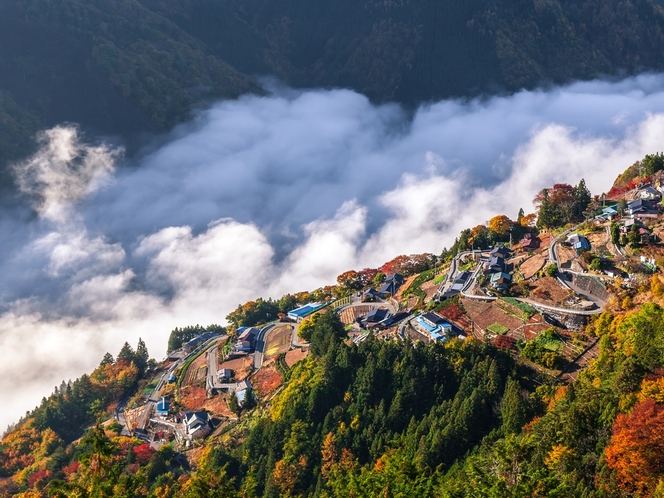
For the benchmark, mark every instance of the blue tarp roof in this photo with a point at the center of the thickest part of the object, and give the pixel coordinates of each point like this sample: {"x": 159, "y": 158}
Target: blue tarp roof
{"x": 305, "y": 310}
{"x": 163, "y": 405}
{"x": 436, "y": 332}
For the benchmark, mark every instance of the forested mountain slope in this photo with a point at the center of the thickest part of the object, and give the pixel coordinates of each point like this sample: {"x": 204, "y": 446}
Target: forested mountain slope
{"x": 141, "y": 65}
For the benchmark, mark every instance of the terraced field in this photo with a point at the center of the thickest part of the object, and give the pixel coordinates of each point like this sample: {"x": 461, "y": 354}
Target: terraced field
{"x": 486, "y": 314}
{"x": 349, "y": 315}
{"x": 278, "y": 341}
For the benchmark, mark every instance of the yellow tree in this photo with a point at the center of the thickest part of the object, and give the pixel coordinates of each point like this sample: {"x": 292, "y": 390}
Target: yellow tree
{"x": 501, "y": 225}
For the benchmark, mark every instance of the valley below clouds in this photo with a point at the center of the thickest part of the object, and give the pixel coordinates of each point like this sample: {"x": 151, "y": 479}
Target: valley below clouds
{"x": 265, "y": 195}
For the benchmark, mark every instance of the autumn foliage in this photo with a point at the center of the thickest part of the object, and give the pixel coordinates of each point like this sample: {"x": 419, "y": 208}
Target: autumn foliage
{"x": 409, "y": 265}
{"x": 636, "y": 450}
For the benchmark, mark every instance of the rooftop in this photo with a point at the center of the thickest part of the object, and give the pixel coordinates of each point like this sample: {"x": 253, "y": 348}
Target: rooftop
{"x": 305, "y": 310}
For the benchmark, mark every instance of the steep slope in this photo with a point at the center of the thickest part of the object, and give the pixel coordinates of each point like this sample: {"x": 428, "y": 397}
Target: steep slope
{"x": 122, "y": 68}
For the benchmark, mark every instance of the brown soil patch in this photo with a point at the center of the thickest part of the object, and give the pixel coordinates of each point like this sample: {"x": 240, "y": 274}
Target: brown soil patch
{"x": 266, "y": 380}
{"x": 278, "y": 341}
{"x": 598, "y": 242}
{"x": 545, "y": 239}
{"x": 548, "y": 290}
{"x": 485, "y": 314}
{"x": 404, "y": 287}
{"x": 429, "y": 289}
{"x": 241, "y": 366}
{"x": 196, "y": 372}
{"x": 532, "y": 331}
{"x": 218, "y": 405}
{"x": 417, "y": 336}
{"x": 531, "y": 266}
{"x": 565, "y": 254}
{"x": 193, "y": 398}
{"x": 292, "y": 357}
{"x": 349, "y": 315}
{"x": 412, "y": 302}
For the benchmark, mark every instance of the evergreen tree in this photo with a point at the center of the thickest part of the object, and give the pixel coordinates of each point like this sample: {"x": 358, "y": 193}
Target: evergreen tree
{"x": 615, "y": 233}
{"x": 142, "y": 356}
{"x": 582, "y": 198}
{"x": 249, "y": 399}
{"x": 546, "y": 216}
{"x": 107, "y": 359}
{"x": 126, "y": 353}
{"x": 634, "y": 237}
{"x": 233, "y": 403}
{"x": 513, "y": 409}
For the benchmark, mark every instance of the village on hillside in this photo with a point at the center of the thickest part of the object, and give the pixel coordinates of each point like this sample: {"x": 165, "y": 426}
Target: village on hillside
{"x": 528, "y": 286}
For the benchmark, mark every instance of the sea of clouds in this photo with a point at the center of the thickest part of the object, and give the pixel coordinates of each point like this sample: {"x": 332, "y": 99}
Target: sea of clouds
{"x": 261, "y": 196}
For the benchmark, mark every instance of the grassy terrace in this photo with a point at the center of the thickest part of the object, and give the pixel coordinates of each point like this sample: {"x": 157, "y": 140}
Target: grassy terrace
{"x": 498, "y": 328}
{"x": 526, "y": 310}
{"x": 414, "y": 288}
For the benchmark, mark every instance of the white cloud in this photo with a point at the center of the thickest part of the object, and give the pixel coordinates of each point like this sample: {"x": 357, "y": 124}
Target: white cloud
{"x": 267, "y": 195}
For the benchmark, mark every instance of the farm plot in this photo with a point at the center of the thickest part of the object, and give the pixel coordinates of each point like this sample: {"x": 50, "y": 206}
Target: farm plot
{"x": 485, "y": 315}
{"x": 292, "y": 357}
{"x": 404, "y": 287}
{"x": 530, "y": 267}
{"x": 242, "y": 366}
{"x": 266, "y": 380}
{"x": 548, "y": 291}
{"x": 278, "y": 341}
{"x": 193, "y": 398}
{"x": 349, "y": 315}
{"x": 196, "y": 372}
{"x": 429, "y": 288}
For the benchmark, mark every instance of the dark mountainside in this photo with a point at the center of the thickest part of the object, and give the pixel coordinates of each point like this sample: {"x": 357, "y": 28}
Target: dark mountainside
{"x": 122, "y": 68}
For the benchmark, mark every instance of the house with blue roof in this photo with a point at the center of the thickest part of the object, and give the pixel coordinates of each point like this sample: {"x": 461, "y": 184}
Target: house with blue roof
{"x": 163, "y": 407}
{"x": 608, "y": 213}
{"x": 436, "y": 325}
{"x": 501, "y": 281}
{"x": 304, "y": 311}
{"x": 579, "y": 242}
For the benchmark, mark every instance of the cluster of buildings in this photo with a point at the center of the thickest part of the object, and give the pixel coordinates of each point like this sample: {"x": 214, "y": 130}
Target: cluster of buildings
{"x": 194, "y": 425}
{"x": 495, "y": 268}
{"x": 460, "y": 281}
{"x": 189, "y": 425}
{"x": 389, "y": 288}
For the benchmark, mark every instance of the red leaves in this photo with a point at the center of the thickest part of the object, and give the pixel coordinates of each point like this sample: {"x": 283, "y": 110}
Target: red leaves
{"x": 451, "y": 312}
{"x": 409, "y": 265}
{"x": 143, "y": 453}
{"x": 636, "y": 451}
{"x": 39, "y": 476}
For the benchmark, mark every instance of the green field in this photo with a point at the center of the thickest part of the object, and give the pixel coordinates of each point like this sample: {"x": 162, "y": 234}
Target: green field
{"x": 439, "y": 279}
{"x": 551, "y": 344}
{"x": 498, "y": 328}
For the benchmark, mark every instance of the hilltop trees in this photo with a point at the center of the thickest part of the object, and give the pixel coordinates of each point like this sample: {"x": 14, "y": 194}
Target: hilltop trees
{"x": 501, "y": 225}
{"x": 254, "y": 313}
{"x": 652, "y": 163}
{"x": 180, "y": 336}
{"x": 561, "y": 204}
{"x": 409, "y": 265}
